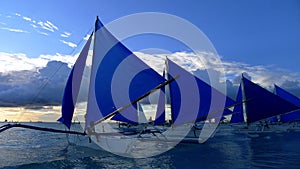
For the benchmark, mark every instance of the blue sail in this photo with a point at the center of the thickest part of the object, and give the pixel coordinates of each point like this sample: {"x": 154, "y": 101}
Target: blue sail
{"x": 73, "y": 85}
{"x": 292, "y": 116}
{"x": 229, "y": 102}
{"x": 272, "y": 119}
{"x": 287, "y": 96}
{"x": 160, "y": 111}
{"x": 138, "y": 117}
{"x": 160, "y": 116}
{"x": 238, "y": 113}
{"x": 262, "y": 104}
{"x": 141, "y": 114}
{"x": 118, "y": 77}
{"x": 131, "y": 115}
{"x": 214, "y": 102}
{"x": 191, "y": 98}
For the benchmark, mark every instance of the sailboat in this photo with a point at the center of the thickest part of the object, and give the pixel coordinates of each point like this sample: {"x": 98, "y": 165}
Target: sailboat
{"x": 195, "y": 101}
{"x": 258, "y": 106}
{"x": 117, "y": 80}
{"x": 290, "y": 118}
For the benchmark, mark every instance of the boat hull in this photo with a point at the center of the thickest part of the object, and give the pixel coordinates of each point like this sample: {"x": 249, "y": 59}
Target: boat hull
{"x": 132, "y": 142}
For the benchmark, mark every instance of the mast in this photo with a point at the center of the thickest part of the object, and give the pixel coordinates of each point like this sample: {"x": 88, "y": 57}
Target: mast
{"x": 138, "y": 112}
{"x": 92, "y": 67}
{"x": 244, "y": 100}
{"x": 278, "y": 117}
{"x": 168, "y": 86}
{"x": 160, "y": 115}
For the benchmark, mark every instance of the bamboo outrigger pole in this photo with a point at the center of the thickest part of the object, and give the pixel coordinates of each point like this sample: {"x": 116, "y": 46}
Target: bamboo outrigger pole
{"x": 8, "y": 126}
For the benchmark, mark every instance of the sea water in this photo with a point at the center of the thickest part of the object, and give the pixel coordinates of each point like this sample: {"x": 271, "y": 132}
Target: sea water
{"x": 24, "y": 148}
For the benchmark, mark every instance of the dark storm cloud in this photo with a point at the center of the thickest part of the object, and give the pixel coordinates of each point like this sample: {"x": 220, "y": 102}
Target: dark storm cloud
{"x": 45, "y": 86}
{"x": 292, "y": 87}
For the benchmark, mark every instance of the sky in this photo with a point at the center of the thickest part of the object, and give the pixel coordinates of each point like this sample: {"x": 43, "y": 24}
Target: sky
{"x": 261, "y": 38}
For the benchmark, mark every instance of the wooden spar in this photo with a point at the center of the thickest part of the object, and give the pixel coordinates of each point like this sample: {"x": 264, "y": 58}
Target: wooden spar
{"x": 138, "y": 99}
{"x": 8, "y": 126}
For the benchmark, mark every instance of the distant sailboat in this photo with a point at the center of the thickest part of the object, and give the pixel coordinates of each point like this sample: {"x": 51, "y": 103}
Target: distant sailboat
{"x": 258, "y": 105}
{"x": 193, "y": 101}
{"x": 291, "y": 118}
{"x": 198, "y": 100}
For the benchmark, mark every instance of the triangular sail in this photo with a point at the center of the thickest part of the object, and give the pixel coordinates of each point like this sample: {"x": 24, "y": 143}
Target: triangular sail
{"x": 191, "y": 98}
{"x": 135, "y": 112}
{"x": 118, "y": 77}
{"x": 131, "y": 115}
{"x": 212, "y": 102}
{"x": 272, "y": 119}
{"x": 160, "y": 117}
{"x": 262, "y": 104}
{"x": 141, "y": 114}
{"x": 238, "y": 113}
{"x": 292, "y": 116}
{"x": 73, "y": 85}
{"x": 287, "y": 96}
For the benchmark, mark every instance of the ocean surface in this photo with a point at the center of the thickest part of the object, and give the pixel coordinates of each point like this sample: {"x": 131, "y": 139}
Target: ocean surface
{"x": 24, "y": 148}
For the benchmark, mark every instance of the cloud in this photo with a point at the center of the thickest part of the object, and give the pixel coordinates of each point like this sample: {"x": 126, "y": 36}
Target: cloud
{"x": 65, "y": 34}
{"x": 15, "y": 30}
{"x": 19, "y": 61}
{"x": 292, "y": 86}
{"x": 33, "y": 81}
{"x": 33, "y": 23}
{"x": 16, "y": 62}
{"x": 42, "y": 27}
{"x": 26, "y": 87}
{"x": 264, "y": 75}
{"x": 41, "y": 80}
{"x": 34, "y": 26}
{"x": 68, "y": 59}
{"x": 48, "y": 26}
{"x": 42, "y": 33}
{"x": 72, "y": 45}
{"x": 27, "y": 19}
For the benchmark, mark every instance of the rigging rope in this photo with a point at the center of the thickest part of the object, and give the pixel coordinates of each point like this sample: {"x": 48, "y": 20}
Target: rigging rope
{"x": 42, "y": 87}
